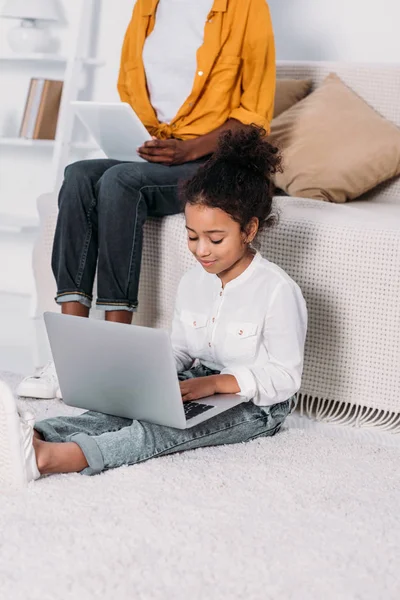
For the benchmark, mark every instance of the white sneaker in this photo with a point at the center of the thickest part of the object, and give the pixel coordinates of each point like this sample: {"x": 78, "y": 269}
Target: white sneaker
{"x": 44, "y": 384}
{"x": 17, "y": 456}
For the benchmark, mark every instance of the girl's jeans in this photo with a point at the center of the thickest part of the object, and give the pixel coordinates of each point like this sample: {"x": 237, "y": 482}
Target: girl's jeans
{"x": 103, "y": 205}
{"x": 108, "y": 442}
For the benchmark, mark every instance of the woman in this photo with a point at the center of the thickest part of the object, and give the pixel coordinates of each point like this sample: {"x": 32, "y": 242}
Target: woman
{"x": 190, "y": 70}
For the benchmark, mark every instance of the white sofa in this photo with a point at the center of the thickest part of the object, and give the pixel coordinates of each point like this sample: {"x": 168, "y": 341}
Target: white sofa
{"x": 345, "y": 257}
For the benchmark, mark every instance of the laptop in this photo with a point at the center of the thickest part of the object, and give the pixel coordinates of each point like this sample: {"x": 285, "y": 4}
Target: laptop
{"x": 115, "y": 126}
{"x": 124, "y": 370}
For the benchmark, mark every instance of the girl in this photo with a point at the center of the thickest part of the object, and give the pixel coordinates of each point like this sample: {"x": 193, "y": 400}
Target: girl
{"x": 242, "y": 317}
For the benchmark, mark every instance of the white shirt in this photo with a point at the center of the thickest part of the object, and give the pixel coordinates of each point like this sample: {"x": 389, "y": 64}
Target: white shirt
{"x": 169, "y": 53}
{"x": 253, "y": 329}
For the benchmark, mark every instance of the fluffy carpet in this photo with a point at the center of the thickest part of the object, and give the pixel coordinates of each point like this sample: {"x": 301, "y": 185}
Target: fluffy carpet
{"x": 299, "y": 516}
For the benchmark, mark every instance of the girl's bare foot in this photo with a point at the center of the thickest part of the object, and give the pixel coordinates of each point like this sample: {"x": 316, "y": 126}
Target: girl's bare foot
{"x": 53, "y": 458}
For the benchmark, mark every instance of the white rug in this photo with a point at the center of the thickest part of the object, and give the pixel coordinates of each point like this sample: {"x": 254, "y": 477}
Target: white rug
{"x": 299, "y": 516}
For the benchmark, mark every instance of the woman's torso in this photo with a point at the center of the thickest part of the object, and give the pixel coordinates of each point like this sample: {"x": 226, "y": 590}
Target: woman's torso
{"x": 227, "y": 40}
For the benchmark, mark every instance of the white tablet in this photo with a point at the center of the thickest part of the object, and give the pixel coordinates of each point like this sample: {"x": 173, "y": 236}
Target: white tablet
{"x": 115, "y": 126}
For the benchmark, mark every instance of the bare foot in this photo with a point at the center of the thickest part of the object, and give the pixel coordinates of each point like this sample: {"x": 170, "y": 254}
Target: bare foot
{"x": 65, "y": 457}
{"x": 40, "y": 448}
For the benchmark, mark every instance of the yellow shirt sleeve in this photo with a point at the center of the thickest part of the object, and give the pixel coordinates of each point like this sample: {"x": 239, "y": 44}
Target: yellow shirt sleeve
{"x": 259, "y": 69}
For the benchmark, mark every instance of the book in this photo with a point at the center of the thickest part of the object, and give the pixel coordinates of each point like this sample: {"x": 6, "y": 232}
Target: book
{"x": 31, "y": 108}
{"x": 41, "y": 109}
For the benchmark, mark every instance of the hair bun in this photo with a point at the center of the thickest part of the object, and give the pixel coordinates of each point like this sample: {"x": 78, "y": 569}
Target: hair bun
{"x": 247, "y": 149}
{"x": 237, "y": 179}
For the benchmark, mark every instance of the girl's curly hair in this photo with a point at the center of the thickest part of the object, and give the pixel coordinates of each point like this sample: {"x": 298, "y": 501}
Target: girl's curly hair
{"x": 237, "y": 177}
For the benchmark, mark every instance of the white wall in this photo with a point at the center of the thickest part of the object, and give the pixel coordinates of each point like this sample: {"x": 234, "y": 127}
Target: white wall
{"x": 111, "y": 34}
{"x": 346, "y": 30}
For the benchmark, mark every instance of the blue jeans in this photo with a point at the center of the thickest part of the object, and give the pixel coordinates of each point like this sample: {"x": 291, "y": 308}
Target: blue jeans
{"x": 109, "y": 442}
{"x": 103, "y": 205}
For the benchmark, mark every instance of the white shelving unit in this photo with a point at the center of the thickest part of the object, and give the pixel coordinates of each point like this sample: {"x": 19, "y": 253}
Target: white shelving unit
{"x": 23, "y": 142}
{"x": 17, "y": 224}
{"x": 74, "y": 67}
{"x": 49, "y": 58}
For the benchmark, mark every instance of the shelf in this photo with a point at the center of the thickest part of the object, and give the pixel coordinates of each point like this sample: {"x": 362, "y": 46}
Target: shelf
{"x": 17, "y": 224}
{"x": 26, "y": 143}
{"x": 49, "y": 58}
{"x": 14, "y": 141}
{"x": 93, "y": 62}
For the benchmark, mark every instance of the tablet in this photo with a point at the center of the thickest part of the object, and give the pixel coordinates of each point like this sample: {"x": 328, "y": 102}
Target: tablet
{"x": 115, "y": 126}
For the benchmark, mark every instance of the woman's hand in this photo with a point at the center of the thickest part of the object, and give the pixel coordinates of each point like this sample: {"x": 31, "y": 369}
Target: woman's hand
{"x": 167, "y": 152}
{"x": 199, "y": 387}
{"x": 176, "y": 152}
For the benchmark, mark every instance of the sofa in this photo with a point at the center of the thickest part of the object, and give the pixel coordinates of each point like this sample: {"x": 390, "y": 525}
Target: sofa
{"x": 345, "y": 257}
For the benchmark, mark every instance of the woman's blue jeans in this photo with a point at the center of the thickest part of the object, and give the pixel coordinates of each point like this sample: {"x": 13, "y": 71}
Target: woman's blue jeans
{"x": 103, "y": 205}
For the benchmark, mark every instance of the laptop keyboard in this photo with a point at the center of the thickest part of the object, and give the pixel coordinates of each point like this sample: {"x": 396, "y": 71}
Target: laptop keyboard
{"x": 193, "y": 409}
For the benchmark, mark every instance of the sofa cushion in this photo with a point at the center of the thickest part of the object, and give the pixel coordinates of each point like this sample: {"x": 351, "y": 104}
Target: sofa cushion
{"x": 289, "y": 92}
{"x": 335, "y": 146}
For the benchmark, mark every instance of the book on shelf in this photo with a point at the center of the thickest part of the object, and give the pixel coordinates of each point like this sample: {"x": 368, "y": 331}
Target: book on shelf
{"x": 41, "y": 109}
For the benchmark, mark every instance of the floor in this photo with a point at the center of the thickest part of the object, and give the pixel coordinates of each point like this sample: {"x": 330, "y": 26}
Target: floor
{"x": 17, "y": 351}
{"x": 297, "y": 516}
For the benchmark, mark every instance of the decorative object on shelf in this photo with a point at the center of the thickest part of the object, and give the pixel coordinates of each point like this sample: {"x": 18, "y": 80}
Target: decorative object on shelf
{"x": 41, "y": 109}
{"x": 32, "y": 34}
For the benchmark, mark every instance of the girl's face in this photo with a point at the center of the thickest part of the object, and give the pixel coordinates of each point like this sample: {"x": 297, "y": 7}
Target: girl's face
{"x": 217, "y": 241}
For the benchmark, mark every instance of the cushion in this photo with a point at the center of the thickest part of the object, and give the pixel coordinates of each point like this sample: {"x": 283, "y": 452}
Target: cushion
{"x": 288, "y": 92}
{"x": 335, "y": 146}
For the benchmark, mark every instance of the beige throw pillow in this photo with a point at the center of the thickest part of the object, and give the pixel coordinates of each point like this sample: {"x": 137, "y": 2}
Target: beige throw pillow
{"x": 289, "y": 92}
{"x": 335, "y": 146}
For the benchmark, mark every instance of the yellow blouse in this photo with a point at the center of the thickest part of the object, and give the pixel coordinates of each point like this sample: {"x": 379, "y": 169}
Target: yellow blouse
{"x": 235, "y": 77}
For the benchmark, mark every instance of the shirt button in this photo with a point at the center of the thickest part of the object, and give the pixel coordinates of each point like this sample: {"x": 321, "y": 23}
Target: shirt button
{"x": 200, "y": 73}
{"x": 213, "y": 320}
{"x": 220, "y": 293}
{"x": 209, "y": 343}
{"x": 194, "y": 323}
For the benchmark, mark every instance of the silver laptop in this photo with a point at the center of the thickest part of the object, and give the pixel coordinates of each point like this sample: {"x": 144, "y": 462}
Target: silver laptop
{"x": 124, "y": 370}
{"x": 115, "y": 126}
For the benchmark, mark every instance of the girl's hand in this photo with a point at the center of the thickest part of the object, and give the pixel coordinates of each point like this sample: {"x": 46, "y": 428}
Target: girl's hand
{"x": 167, "y": 152}
{"x": 200, "y": 387}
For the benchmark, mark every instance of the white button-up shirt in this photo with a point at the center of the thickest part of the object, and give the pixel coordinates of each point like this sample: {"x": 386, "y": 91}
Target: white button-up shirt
{"x": 254, "y": 329}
